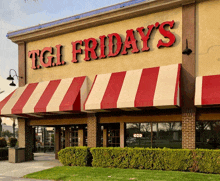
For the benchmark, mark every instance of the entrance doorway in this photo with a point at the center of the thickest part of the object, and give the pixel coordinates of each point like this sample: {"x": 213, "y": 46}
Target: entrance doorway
{"x": 110, "y": 136}
{"x": 44, "y": 139}
{"x": 74, "y": 135}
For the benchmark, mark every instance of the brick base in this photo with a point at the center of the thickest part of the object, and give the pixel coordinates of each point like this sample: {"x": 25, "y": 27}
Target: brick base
{"x": 189, "y": 128}
{"x": 94, "y": 131}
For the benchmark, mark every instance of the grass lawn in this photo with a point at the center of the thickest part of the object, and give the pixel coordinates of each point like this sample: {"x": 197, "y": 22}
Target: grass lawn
{"x": 67, "y": 173}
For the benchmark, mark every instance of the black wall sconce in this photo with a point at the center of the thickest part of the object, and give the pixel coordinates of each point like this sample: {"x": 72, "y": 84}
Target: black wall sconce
{"x": 12, "y": 77}
{"x": 187, "y": 51}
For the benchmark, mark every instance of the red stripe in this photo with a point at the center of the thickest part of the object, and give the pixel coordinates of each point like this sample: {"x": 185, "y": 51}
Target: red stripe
{"x": 89, "y": 92}
{"x": 147, "y": 87}
{"x": 177, "y": 85}
{"x": 5, "y": 100}
{"x": 211, "y": 90}
{"x": 71, "y": 100}
{"x": 46, "y": 96}
{"x": 112, "y": 91}
{"x": 17, "y": 109}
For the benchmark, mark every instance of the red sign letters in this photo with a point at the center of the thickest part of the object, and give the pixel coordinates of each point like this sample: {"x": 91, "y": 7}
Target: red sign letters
{"x": 115, "y": 46}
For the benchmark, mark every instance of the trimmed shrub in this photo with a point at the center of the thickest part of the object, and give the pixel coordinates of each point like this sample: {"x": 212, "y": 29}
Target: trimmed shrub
{"x": 3, "y": 142}
{"x": 12, "y": 142}
{"x": 207, "y": 161}
{"x": 111, "y": 157}
{"x": 198, "y": 160}
{"x": 75, "y": 156}
{"x": 3, "y": 153}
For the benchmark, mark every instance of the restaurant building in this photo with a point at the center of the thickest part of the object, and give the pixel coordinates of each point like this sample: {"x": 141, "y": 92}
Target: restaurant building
{"x": 143, "y": 73}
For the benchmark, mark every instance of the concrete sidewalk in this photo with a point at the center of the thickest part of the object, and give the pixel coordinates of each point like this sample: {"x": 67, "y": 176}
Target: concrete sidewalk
{"x": 41, "y": 161}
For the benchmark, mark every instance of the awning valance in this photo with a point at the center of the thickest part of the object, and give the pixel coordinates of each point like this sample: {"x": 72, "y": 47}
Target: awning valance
{"x": 149, "y": 87}
{"x": 50, "y": 96}
{"x": 207, "y": 90}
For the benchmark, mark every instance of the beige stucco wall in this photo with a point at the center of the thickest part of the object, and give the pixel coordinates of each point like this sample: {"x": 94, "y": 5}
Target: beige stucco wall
{"x": 152, "y": 58}
{"x": 208, "y": 38}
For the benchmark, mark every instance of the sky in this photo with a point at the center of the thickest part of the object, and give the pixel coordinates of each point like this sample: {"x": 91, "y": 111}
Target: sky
{"x": 19, "y": 14}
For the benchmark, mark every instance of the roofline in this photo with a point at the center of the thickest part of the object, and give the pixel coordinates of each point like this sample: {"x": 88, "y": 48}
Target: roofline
{"x": 121, "y": 11}
{"x": 77, "y": 16}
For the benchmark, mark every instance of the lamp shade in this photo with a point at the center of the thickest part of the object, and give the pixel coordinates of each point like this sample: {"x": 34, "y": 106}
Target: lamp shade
{"x": 12, "y": 83}
{"x": 10, "y": 77}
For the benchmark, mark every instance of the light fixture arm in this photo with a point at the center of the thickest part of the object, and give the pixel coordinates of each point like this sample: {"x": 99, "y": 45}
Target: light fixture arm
{"x": 12, "y": 77}
{"x": 186, "y": 44}
{"x": 15, "y": 74}
{"x": 187, "y": 50}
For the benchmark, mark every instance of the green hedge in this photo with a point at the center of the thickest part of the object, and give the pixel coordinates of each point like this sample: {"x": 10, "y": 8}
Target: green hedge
{"x": 4, "y": 153}
{"x": 12, "y": 142}
{"x": 198, "y": 160}
{"x": 75, "y": 156}
{"x": 3, "y": 142}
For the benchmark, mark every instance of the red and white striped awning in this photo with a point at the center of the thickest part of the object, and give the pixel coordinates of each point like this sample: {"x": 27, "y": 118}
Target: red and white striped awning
{"x": 150, "y": 87}
{"x": 50, "y": 96}
{"x": 207, "y": 90}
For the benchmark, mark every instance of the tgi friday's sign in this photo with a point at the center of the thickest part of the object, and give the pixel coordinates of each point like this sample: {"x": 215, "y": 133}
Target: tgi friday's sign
{"x": 115, "y": 46}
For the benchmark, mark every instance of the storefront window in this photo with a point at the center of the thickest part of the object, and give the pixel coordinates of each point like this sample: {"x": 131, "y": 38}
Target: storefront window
{"x": 208, "y": 134}
{"x": 156, "y": 135}
{"x": 138, "y": 134}
{"x": 74, "y": 136}
{"x": 167, "y": 135}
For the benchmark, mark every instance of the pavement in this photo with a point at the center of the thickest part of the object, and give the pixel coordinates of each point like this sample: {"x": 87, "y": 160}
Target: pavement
{"x": 15, "y": 171}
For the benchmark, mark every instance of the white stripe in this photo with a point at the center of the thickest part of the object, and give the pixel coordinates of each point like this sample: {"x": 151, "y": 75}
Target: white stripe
{"x": 13, "y": 100}
{"x": 97, "y": 92}
{"x": 129, "y": 89}
{"x": 166, "y": 85}
{"x": 198, "y": 94}
{"x": 35, "y": 96}
{"x": 83, "y": 93}
{"x": 58, "y": 95}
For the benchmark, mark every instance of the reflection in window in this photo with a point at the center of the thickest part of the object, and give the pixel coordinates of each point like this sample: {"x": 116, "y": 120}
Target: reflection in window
{"x": 157, "y": 135}
{"x": 138, "y": 134}
{"x": 167, "y": 135}
{"x": 208, "y": 134}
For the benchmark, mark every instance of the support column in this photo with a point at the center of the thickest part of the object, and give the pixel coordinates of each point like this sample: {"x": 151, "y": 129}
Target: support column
{"x": 188, "y": 75}
{"x": 0, "y": 127}
{"x": 67, "y": 136}
{"x": 105, "y": 137}
{"x": 34, "y": 139}
{"x": 25, "y": 138}
{"x": 13, "y": 125}
{"x": 122, "y": 134}
{"x": 80, "y": 137}
{"x": 57, "y": 141}
{"x": 94, "y": 131}
{"x": 189, "y": 128}
{"x": 22, "y": 63}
